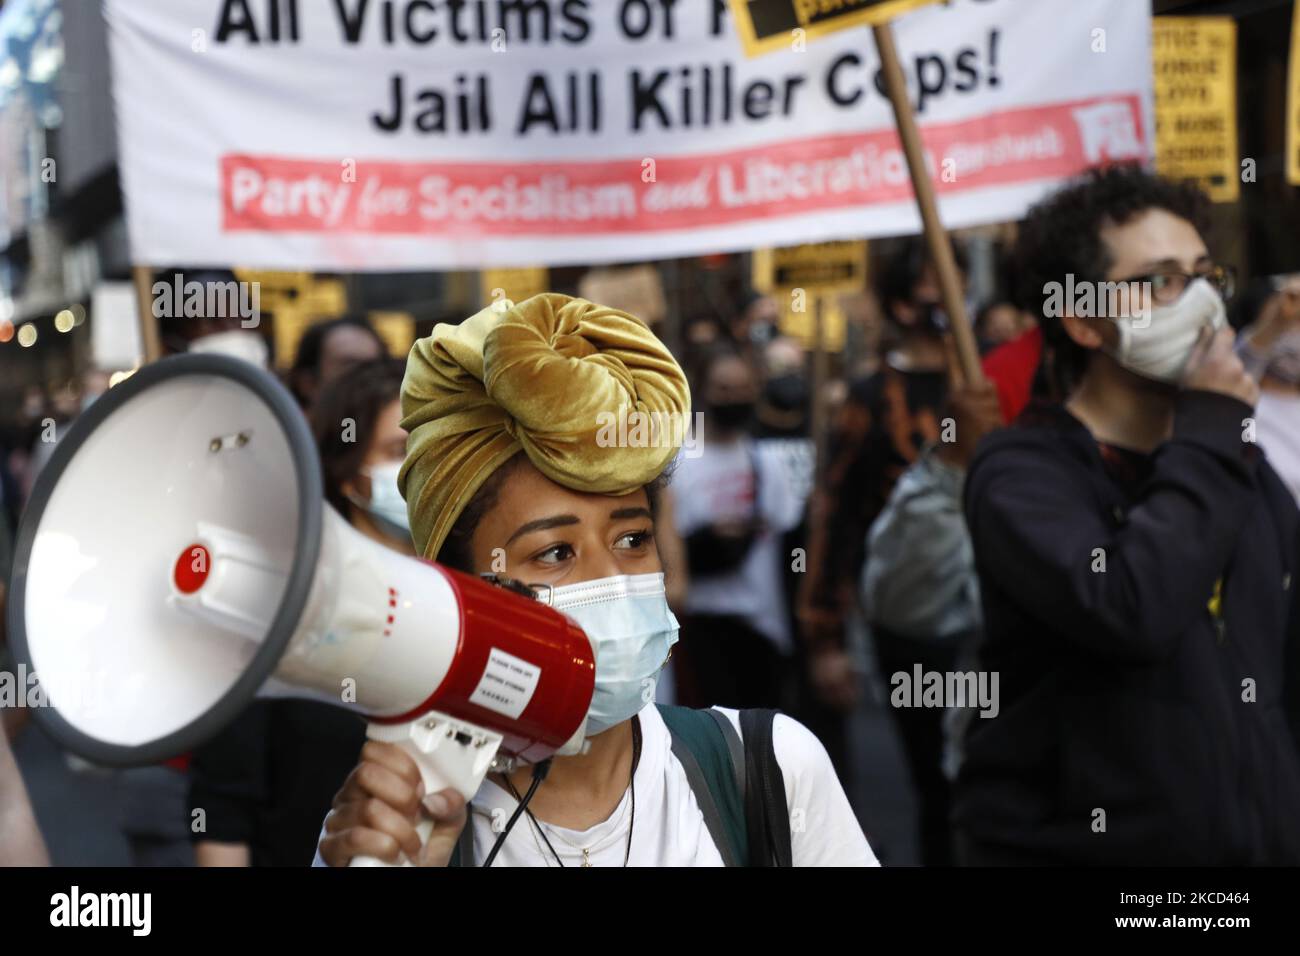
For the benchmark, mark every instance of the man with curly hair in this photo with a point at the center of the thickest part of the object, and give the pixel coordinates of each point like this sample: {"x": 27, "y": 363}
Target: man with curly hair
{"x": 1138, "y": 563}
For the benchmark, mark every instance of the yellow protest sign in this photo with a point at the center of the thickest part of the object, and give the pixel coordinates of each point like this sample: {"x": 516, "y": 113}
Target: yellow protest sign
{"x": 766, "y": 25}
{"x": 637, "y": 290}
{"x": 1293, "y": 105}
{"x": 803, "y": 277}
{"x": 295, "y": 300}
{"x": 1195, "y": 60}
{"x": 397, "y": 329}
{"x": 513, "y": 284}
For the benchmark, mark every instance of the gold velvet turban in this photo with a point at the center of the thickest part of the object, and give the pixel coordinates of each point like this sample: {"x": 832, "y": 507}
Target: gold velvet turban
{"x": 547, "y": 376}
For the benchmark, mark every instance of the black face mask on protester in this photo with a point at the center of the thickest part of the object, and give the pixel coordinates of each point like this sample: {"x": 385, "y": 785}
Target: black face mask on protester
{"x": 732, "y": 416}
{"x": 788, "y": 392}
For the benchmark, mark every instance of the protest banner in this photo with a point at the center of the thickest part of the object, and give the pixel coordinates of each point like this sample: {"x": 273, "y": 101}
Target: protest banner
{"x": 399, "y": 134}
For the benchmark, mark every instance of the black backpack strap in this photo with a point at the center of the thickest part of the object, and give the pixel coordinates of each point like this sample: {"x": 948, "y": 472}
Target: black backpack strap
{"x": 767, "y": 817}
{"x": 734, "y": 745}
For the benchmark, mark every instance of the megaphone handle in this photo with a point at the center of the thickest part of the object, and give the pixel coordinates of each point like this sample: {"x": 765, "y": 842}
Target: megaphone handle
{"x": 449, "y": 753}
{"x": 432, "y": 783}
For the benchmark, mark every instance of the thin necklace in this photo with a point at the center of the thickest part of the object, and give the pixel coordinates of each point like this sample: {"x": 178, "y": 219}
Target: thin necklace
{"x": 586, "y": 851}
{"x": 535, "y": 827}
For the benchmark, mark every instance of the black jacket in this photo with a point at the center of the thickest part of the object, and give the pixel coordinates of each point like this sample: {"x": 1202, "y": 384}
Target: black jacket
{"x": 1122, "y": 690}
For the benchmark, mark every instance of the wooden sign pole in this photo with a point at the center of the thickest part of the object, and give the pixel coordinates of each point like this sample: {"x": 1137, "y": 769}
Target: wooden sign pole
{"x": 150, "y": 339}
{"x": 940, "y": 245}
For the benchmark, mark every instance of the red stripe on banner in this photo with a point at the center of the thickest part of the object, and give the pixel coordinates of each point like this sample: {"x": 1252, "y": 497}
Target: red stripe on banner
{"x": 790, "y": 178}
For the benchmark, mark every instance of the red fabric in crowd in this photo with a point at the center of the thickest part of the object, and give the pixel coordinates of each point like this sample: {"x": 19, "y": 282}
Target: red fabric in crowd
{"x": 1011, "y": 368}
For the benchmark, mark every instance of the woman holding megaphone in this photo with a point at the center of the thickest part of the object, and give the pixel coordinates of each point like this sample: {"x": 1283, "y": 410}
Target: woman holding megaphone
{"x": 539, "y": 438}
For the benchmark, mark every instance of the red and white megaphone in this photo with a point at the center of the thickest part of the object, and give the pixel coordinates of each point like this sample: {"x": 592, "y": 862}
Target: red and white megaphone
{"x": 177, "y": 559}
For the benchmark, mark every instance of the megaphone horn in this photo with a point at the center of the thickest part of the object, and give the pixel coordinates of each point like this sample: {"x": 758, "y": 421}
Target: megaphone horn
{"x": 177, "y": 558}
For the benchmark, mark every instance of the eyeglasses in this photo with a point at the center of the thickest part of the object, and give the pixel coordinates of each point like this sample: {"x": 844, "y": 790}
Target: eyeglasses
{"x": 1168, "y": 287}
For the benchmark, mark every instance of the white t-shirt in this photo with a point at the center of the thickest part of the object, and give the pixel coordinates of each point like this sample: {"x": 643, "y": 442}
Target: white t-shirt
{"x": 670, "y": 828}
{"x": 719, "y": 486}
{"x": 797, "y": 456}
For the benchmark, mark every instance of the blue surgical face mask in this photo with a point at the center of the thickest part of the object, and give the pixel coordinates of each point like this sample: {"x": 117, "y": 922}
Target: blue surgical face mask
{"x": 632, "y": 631}
{"x": 386, "y": 504}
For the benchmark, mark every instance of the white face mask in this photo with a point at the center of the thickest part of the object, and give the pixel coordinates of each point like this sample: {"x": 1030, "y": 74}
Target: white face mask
{"x": 1284, "y": 358}
{"x": 386, "y": 504}
{"x": 1158, "y": 345}
{"x": 631, "y": 630}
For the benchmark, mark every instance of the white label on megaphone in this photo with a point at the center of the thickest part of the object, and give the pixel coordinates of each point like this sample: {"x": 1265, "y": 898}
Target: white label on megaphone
{"x": 507, "y": 684}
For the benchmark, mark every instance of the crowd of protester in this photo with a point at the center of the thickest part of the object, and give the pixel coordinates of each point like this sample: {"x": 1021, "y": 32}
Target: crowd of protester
{"x": 944, "y": 530}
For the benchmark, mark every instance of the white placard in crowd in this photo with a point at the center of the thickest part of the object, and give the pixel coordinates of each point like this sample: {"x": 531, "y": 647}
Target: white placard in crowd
{"x": 115, "y": 327}
{"x": 426, "y": 134}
